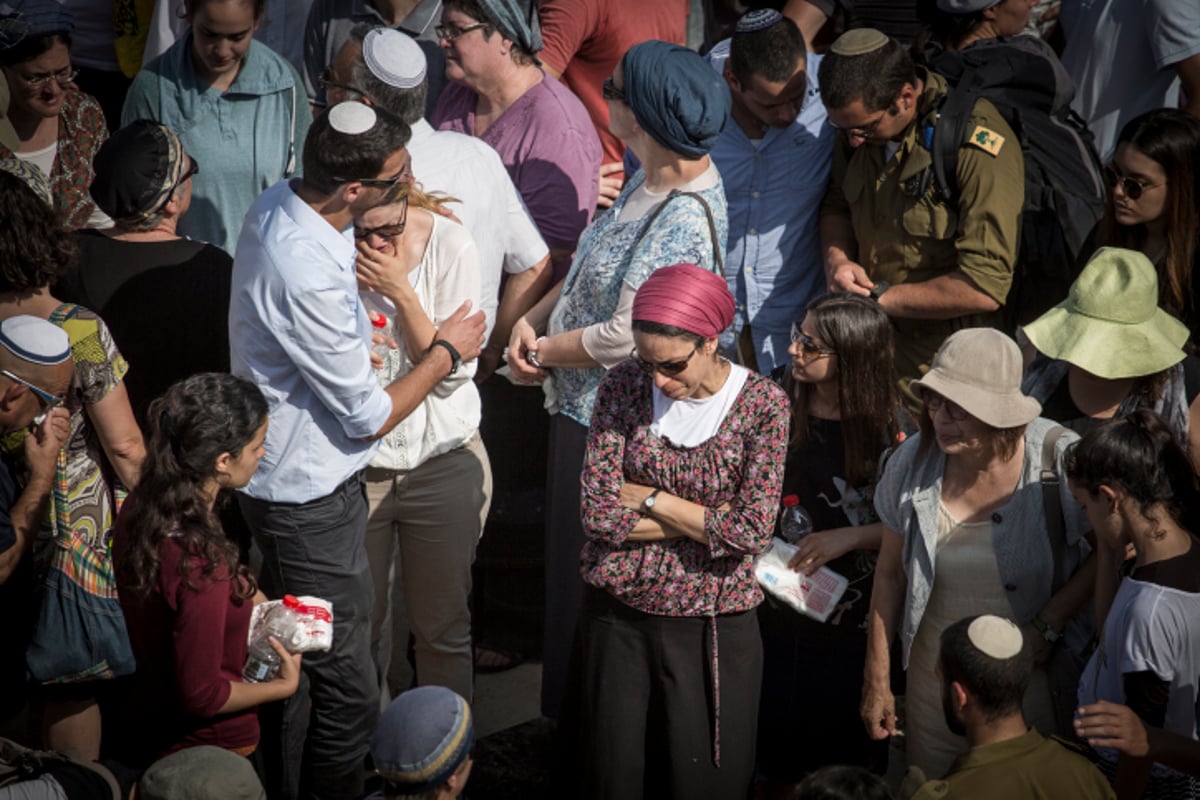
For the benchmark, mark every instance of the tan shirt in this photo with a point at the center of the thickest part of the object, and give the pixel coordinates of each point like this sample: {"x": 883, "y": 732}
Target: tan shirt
{"x": 905, "y": 235}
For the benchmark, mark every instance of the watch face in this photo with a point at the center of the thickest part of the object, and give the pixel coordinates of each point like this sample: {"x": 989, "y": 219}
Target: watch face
{"x": 650, "y": 501}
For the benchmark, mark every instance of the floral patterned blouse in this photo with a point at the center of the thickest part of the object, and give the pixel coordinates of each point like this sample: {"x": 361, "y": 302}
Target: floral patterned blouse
{"x": 609, "y": 256}
{"x": 741, "y": 465}
{"x": 81, "y": 131}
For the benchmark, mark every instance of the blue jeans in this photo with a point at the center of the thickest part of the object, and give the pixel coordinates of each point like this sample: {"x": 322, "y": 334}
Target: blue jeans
{"x": 315, "y": 743}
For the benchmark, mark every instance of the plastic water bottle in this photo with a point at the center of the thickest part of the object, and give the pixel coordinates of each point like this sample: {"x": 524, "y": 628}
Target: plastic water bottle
{"x": 794, "y": 521}
{"x": 262, "y": 662}
{"x": 381, "y": 325}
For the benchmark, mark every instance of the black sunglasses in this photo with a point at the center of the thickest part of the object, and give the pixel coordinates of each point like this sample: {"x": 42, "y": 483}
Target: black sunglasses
{"x": 668, "y": 368}
{"x": 609, "y": 91}
{"x": 1132, "y": 187}
{"x": 385, "y": 231}
{"x": 405, "y": 174}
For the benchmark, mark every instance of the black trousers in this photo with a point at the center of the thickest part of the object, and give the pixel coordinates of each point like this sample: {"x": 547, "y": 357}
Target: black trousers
{"x": 314, "y": 743}
{"x": 642, "y": 707}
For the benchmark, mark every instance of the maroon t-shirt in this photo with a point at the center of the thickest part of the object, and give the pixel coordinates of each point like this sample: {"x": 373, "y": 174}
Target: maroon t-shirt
{"x": 190, "y": 644}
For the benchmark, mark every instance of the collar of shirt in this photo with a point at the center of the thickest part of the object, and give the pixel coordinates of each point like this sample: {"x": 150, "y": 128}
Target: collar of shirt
{"x": 339, "y": 244}
{"x": 418, "y": 22}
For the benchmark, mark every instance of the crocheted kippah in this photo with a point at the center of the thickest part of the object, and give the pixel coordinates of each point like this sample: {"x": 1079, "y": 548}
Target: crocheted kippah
{"x": 758, "y": 20}
{"x": 859, "y": 42}
{"x": 394, "y": 58}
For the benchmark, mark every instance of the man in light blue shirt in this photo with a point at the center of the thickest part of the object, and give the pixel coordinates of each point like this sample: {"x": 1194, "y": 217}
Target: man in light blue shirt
{"x": 774, "y": 157}
{"x": 298, "y": 330}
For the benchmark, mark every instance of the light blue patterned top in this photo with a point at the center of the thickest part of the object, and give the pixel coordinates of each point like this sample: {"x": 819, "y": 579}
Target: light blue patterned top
{"x": 607, "y": 258}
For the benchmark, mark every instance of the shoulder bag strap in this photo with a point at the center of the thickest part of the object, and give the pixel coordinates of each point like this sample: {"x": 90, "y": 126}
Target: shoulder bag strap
{"x": 1056, "y": 526}
{"x": 718, "y": 257}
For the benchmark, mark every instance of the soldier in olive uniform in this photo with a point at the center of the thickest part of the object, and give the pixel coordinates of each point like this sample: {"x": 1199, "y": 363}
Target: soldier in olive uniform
{"x": 935, "y": 266}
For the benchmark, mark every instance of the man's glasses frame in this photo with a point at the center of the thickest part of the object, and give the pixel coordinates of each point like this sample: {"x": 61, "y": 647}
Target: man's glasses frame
{"x": 51, "y": 400}
{"x": 609, "y": 91}
{"x": 325, "y": 79}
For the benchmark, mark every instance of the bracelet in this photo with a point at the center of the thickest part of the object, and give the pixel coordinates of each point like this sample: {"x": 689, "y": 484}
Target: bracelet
{"x": 531, "y": 354}
{"x": 455, "y": 358}
{"x": 1048, "y": 633}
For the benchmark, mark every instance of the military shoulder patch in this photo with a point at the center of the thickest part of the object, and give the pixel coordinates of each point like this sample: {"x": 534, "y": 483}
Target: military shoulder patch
{"x": 986, "y": 140}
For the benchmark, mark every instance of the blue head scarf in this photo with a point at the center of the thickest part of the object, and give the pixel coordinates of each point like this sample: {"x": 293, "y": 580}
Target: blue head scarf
{"x": 678, "y": 99}
{"x": 23, "y": 19}
{"x": 517, "y": 21}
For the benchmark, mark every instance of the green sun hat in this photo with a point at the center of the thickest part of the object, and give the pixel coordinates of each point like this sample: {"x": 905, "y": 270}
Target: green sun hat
{"x": 1110, "y": 324}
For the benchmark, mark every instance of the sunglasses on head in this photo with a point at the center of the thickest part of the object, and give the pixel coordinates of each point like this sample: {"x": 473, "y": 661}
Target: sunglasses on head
{"x": 1132, "y": 187}
{"x": 808, "y": 346}
{"x": 668, "y": 368}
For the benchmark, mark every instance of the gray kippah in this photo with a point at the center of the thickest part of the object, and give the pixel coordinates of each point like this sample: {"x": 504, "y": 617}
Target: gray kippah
{"x": 352, "y": 118}
{"x": 394, "y": 58}
{"x": 965, "y": 6}
{"x": 758, "y": 20}
{"x": 35, "y": 340}
{"x": 859, "y": 42}
{"x": 995, "y": 636}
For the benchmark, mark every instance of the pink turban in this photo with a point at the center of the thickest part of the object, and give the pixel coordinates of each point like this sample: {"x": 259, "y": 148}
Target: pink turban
{"x": 688, "y": 297}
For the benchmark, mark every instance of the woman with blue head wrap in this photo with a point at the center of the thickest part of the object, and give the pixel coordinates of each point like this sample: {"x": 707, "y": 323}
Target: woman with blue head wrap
{"x": 669, "y": 107}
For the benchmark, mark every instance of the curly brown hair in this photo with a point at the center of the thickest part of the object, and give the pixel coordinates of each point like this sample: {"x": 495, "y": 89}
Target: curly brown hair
{"x": 34, "y": 248}
{"x": 196, "y": 421}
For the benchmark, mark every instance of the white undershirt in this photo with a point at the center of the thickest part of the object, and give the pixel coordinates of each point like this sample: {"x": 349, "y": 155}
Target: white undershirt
{"x": 642, "y": 202}
{"x": 690, "y": 422}
{"x": 44, "y": 160}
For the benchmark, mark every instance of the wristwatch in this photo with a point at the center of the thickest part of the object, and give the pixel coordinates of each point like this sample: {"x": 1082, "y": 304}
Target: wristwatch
{"x": 878, "y": 289}
{"x": 455, "y": 358}
{"x": 648, "y": 503}
{"x": 1048, "y": 633}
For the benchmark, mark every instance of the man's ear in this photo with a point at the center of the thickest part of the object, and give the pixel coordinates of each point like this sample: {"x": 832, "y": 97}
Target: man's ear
{"x": 959, "y": 694}
{"x": 734, "y": 84}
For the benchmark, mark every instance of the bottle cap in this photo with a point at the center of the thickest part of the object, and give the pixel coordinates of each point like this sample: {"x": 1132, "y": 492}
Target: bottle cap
{"x": 378, "y": 321}
{"x": 291, "y": 601}
{"x": 791, "y": 500}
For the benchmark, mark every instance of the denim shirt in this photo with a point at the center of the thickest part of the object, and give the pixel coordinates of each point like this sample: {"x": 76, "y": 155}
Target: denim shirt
{"x": 907, "y": 501}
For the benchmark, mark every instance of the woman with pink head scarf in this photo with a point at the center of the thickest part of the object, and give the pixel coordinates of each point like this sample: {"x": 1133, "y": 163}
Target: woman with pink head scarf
{"x": 681, "y": 483}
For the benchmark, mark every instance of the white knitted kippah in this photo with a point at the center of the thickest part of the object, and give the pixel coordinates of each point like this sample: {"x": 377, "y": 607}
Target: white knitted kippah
{"x": 995, "y": 636}
{"x": 352, "y": 118}
{"x": 35, "y": 340}
{"x": 394, "y": 57}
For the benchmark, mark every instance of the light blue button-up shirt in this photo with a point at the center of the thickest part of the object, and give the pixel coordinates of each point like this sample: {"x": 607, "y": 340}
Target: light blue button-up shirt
{"x": 298, "y": 330}
{"x": 774, "y": 189}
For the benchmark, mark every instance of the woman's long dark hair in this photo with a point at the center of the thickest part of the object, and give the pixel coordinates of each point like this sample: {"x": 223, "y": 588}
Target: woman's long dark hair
{"x": 197, "y": 420}
{"x": 859, "y": 332}
{"x": 1171, "y": 138}
{"x": 1140, "y": 455}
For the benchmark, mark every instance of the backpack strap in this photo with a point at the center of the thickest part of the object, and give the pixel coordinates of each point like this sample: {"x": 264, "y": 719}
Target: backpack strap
{"x": 718, "y": 258}
{"x": 1056, "y": 526}
{"x": 953, "y": 114}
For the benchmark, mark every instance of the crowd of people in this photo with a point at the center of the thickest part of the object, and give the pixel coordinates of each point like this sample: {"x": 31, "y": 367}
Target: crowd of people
{"x": 920, "y": 272}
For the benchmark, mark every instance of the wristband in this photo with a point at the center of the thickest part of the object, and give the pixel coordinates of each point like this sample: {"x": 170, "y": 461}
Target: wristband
{"x": 1048, "y": 633}
{"x": 531, "y": 355}
{"x": 455, "y": 358}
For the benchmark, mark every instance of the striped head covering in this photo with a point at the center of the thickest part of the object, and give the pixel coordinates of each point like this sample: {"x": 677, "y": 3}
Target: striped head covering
{"x": 421, "y": 739}
{"x": 136, "y": 171}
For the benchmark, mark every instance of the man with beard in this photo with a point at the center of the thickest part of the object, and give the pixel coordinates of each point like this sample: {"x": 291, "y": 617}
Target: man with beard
{"x": 985, "y": 669}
